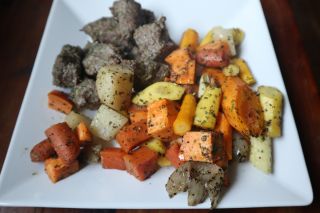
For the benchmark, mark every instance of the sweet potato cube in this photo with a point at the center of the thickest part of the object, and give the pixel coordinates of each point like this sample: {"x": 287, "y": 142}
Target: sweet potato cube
{"x": 172, "y": 154}
{"x": 132, "y": 135}
{"x": 197, "y": 146}
{"x": 142, "y": 163}
{"x": 112, "y": 158}
{"x": 137, "y": 113}
{"x": 161, "y": 116}
{"x": 57, "y": 169}
{"x": 83, "y": 133}
{"x": 59, "y": 101}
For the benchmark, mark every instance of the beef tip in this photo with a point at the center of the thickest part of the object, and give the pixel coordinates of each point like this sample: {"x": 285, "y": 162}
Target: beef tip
{"x": 85, "y": 95}
{"x": 147, "y": 17}
{"x": 99, "y": 55}
{"x": 200, "y": 179}
{"x": 153, "y": 40}
{"x": 148, "y": 72}
{"x": 67, "y": 69}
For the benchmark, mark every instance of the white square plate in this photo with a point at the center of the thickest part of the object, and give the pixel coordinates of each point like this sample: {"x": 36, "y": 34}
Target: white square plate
{"x": 24, "y": 183}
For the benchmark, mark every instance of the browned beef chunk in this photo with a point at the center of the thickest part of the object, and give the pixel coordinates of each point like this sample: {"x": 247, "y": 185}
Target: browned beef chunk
{"x": 153, "y": 41}
{"x": 67, "y": 69}
{"x": 99, "y": 55}
{"x": 85, "y": 95}
{"x": 148, "y": 72}
{"x": 118, "y": 30}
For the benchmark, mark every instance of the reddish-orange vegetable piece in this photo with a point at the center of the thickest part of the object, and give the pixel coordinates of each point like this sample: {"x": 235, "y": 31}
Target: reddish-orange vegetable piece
{"x": 112, "y": 158}
{"x": 59, "y": 101}
{"x": 224, "y": 127}
{"x": 83, "y": 133}
{"x": 137, "y": 113}
{"x": 172, "y": 154}
{"x": 42, "y": 151}
{"x": 57, "y": 169}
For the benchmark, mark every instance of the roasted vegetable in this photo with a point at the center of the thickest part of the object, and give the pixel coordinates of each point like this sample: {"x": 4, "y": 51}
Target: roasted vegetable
{"x": 231, "y": 70}
{"x": 142, "y": 163}
{"x": 271, "y": 102}
{"x": 163, "y": 161}
{"x": 137, "y": 113}
{"x": 183, "y": 67}
{"x": 189, "y": 40}
{"x": 185, "y": 117}
{"x": 42, "y": 151}
{"x": 200, "y": 179}
{"x": 223, "y": 126}
{"x": 208, "y": 108}
{"x": 215, "y": 54}
{"x": 131, "y": 136}
{"x": 64, "y": 141}
{"x": 73, "y": 119}
{"x": 107, "y": 122}
{"x": 241, "y": 148}
{"x": 204, "y": 82}
{"x": 156, "y": 145}
{"x": 114, "y": 86}
{"x": 244, "y": 71}
{"x": 261, "y": 153}
{"x": 57, "y": 169}
{"x": 161, "y": 115}
{"x": 112, "y": 158}
{"x": 83, "y": 133}
{"x": 242, "y": 107}
{"x": 157, "y": 91}
{"x": 197, "y": 146}
{"x": 172, "y": 154}
{"x": 59, "y": 101}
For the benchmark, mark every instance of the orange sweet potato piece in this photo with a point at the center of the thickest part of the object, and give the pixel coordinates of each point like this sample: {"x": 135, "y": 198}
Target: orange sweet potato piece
{"x": 142, "y": 163}
{"x": 215, "y": 54}
{"x": 224, "y": 127}
{"x": 83, "y": 133}
{"x": 172, "y": 154}
{"x": 216, "y": 74}
{"x": 137, "y": 113}
{"x": 64, "y": 142}
{"x": 183, "y": 67}
{"x": 42, "y": 151}
{"x": 57, "y": 169}
{"x": 219, "y": 156}
{"x": 197, "y": 146}
{"x": 133, "y": 135}
{"x": 112, "y": 158}
{"x": 161, "y": 116}
{"x": 59, "y": 101}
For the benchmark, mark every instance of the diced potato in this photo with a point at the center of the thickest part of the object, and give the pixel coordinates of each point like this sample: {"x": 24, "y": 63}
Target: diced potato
{"x": 261, "y": 153}
{"x": 107, "y": 123}
{"x": 163, "y": 162}
{"x": 156, "y": 145}
{"x": 114, "y": 86}
{"x": 231, "y": 70}
{"x": 208, "y": 108}
{"x": 73, "y": 119}
{"x": 245, "y": 73}
{"x": 271, "y": 102}
{"x": 157, "y": 91}
{"x": 204, "y": 82}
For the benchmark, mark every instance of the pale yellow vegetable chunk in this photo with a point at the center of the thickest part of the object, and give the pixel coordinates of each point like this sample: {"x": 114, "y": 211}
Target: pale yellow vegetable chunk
{"x": 189, "y": 40}
{"x": 271, "y": 101}
{"x": 208, "y": 108}
{"x": 245, "y": 73}
{"x": 163, "y": 161}
{"x": 238, "y": 35}
{"x": 184, "y": 120}
{"x": 261, "y": 153}
{"x": 231, "y": 70}
{"x": 73, "y": 119}
{"x": 156, "y": 145}
{"x": 157, "y": 91}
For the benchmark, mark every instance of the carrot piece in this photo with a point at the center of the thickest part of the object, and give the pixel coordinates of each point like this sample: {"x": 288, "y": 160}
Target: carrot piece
{"x": 189, "y": 40}
{"x": 142, "y": 163}
{"x": 184, "y": 120}
{"x": 224, "y": 127}
{"x": 83, "y": 133}
{"x": 137, "y": 113}
{"x": 197, "y": 146}
{"x": 132, "y": 135}
{"x": 183, "y": 67}
{"x": 161, "y": 115}
{"x": 112, "y": 158}
{"x": 64, "y": 142}
{"x": 216, "y": 74}
{"x": 42, "y": 151}
{"x": 172, "y": 154}
{"x": 219, "y": 156}
{"x": 59, "y": 101}
{"x": 57, "y": 169}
